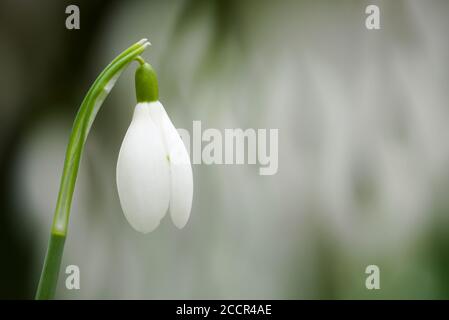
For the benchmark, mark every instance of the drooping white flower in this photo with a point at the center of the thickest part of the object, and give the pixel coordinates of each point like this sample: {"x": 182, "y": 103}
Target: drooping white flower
{"x": 154, "y": 174}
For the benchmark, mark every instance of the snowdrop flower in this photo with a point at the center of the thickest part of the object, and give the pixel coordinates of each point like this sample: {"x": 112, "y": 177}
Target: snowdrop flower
{"x": 154, "y": 174}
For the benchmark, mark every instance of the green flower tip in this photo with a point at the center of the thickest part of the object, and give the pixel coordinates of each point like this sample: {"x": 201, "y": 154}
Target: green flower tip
{"x": 146, "y": 82}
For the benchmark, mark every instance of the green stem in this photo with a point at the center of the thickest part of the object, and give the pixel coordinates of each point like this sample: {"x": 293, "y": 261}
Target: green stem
{"x": 50, "y": 272}
{"x": 81, "y": 127}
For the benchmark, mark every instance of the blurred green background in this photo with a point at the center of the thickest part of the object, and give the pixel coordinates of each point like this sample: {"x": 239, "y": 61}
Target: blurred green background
{"x": 363, "y": 154}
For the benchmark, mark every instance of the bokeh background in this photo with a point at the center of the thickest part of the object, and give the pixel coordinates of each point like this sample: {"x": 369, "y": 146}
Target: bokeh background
{"x": 363, "y": 148}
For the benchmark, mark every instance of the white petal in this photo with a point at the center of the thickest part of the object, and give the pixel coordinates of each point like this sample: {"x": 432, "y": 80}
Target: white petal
{"x": 143, "y": 173}
{"x": 181, "y": 180}
{"x": 181, "y": 188}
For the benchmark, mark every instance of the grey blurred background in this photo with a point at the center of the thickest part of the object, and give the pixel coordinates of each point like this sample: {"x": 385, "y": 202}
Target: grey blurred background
{"x": 363, "y": 154}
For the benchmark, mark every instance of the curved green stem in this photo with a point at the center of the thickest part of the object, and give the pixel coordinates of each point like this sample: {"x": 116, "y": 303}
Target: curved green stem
{"x": 81, "y": 126}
